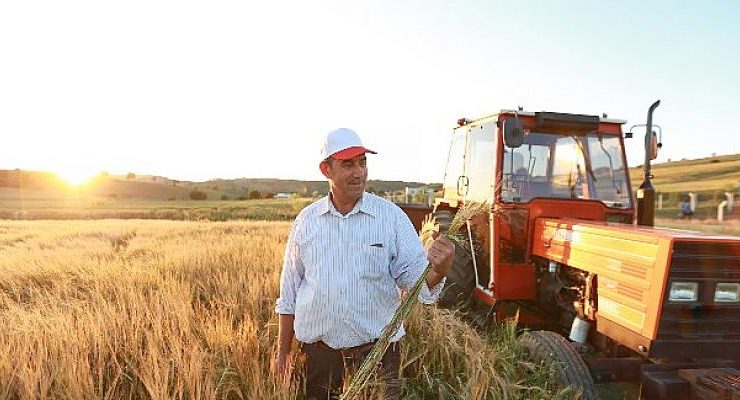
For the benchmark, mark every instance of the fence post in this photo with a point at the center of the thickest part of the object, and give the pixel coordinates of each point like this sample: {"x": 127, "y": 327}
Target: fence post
{"x": 693, "y": 198}
{"x": 660, "y": 201}
{"x": 430, "y": 197}
{"x": 730, "y": 201}
{"x": 406, "y": 195}
{"x": 721, "y": 211}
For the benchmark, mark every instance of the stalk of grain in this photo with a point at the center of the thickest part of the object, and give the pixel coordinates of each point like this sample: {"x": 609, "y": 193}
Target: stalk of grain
{"x": 362, "y": 376}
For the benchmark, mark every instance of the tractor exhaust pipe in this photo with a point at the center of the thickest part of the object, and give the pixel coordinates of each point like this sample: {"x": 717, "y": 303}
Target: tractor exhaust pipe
{"x": 646, "y": 192}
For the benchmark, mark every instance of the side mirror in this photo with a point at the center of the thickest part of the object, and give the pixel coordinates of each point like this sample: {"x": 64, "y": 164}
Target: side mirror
{"x": 654, "y": 145}
{"x": 513, "y": 132}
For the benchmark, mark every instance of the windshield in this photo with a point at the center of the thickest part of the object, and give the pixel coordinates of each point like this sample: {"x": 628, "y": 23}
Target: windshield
{"x": 574, "y": 167}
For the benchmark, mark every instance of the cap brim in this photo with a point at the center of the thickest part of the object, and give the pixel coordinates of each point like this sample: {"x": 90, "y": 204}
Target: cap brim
{"x": 351, "y": 152}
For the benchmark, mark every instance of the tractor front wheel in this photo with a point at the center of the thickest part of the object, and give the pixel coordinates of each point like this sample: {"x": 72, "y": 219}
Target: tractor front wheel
{"x": 570, "y": 369}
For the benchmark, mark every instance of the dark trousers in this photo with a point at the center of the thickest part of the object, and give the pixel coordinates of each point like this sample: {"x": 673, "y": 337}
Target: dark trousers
{"x": 325, "y": 368}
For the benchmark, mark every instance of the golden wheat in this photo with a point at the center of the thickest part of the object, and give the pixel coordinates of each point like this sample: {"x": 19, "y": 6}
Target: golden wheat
{"x": 133, "y": 309}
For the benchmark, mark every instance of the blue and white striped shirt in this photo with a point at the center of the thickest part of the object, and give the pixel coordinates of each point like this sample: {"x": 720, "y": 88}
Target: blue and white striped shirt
{"x": 342, "y": 274}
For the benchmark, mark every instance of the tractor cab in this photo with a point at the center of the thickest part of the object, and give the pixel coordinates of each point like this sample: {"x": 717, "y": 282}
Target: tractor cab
{"x": 528, "y": 166}
{"x": 514, "y": 157}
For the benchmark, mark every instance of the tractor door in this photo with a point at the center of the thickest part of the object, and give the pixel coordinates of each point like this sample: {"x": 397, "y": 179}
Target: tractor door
{"x": 455, "y": 185}
{"x": 470, "y": 176}
{"x": 480, "y": 168}
{"x": 470, "y": 165}
{"x": 479, "y": 162}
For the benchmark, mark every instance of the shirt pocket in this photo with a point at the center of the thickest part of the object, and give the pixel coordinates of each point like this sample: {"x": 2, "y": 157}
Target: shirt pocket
{"x": 374, "y": 262}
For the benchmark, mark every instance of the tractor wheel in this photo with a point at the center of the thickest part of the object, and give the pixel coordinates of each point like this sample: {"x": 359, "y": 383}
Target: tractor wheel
{"x": 570, "y": 368}
{"x": 461, "y": 279}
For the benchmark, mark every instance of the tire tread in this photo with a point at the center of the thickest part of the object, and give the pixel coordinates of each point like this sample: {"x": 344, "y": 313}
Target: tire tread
{"x": 569, "y": 366}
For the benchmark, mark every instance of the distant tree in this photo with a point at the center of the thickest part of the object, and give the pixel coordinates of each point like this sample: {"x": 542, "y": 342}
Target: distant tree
{"x": 255, "y": 194}
{"x": 269, "y": 195}
{"x": 215, "y": 187}
{"x": 224, "y": 197}
{"x": 196, "y": 194}
{"x": 130, "y": 176}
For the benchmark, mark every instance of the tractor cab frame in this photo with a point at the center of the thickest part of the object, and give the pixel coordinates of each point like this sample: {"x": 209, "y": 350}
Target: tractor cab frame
{"x": 562, "y": 165}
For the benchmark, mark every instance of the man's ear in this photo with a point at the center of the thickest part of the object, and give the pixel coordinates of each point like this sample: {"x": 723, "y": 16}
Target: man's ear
{"x": 323, "y": 167}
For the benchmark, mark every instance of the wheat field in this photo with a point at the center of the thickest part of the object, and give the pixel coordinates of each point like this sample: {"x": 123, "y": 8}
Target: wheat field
{"x": 152, "y": 309}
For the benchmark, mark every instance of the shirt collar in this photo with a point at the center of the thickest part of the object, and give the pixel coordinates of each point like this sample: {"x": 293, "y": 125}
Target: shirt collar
{"x": 366, "y": 204}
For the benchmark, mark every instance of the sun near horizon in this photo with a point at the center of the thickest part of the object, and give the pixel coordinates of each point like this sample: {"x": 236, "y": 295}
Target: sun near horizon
{"x": 75, "y": 177}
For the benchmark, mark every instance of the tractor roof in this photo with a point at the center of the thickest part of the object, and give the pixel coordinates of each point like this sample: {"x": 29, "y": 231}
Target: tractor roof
{"x": 534, "y": 114}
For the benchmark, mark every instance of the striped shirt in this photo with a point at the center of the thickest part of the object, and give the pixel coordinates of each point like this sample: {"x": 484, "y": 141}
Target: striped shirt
{"x": 342, "y": 274}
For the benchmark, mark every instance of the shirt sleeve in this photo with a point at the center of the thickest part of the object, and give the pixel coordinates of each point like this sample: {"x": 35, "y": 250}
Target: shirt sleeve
{"x": 292, "y": 272}
{"x": 410, "y": 260}
{"x": 430, "y": 296}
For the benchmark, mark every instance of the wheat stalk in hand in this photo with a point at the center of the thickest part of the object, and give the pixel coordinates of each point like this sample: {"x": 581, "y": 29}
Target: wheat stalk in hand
{"x": 362, "y": 376}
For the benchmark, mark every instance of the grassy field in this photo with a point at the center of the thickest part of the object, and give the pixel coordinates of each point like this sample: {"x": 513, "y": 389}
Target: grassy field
{"x": 709, "y": 178}
{"x": 192, "y": 210}
{"x": 712, "y": 173}
{"x": 731, "y": 227}
{"x": 136, "y": 309}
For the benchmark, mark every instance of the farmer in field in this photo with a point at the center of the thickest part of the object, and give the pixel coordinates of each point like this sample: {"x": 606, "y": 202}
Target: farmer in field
{"x": 347, "y": 256}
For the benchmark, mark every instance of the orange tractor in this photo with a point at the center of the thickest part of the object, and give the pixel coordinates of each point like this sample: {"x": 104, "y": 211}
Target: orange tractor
{"x": 567, "y": 248}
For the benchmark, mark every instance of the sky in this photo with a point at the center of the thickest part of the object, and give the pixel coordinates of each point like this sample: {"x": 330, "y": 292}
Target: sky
{"x": 225, "y": 89}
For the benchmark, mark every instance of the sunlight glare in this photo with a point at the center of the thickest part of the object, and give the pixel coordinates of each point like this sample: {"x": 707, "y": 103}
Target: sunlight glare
{"x": 76, "y": 177}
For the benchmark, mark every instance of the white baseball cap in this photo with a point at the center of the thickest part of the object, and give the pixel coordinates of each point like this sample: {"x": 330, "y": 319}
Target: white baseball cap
{"x": 343, "y": 144}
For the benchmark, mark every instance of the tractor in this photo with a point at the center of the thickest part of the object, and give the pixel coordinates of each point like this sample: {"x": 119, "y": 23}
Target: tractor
{"x": 567, "y": 249}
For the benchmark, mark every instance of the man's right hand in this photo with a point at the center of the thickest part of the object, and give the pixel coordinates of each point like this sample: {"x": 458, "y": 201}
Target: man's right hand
{"x": 283, "y": 367}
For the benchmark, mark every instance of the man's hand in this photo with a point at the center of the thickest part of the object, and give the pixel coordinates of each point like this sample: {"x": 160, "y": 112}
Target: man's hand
{"x": 440, "y": 256}
{"x": 282, "y": 367}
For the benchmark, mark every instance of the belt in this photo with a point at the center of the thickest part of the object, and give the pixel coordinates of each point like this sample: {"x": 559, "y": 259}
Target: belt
{"x": 346, "y": 350}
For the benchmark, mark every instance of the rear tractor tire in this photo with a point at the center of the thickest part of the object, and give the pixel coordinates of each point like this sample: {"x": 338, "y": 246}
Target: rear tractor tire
{"x": 460, "y": 283}
{"x": 570, "y": 369}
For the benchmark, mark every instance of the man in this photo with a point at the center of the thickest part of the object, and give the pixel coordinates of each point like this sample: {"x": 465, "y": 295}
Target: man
{"x": 346, "y": 258}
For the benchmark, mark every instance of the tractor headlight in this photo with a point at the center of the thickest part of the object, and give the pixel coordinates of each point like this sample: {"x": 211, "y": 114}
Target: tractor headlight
{"x": 727, "y": 293}
{"x": 684, "y": 292}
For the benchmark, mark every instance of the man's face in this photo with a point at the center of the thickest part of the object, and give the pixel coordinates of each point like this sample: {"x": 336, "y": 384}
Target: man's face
{"x": 347, "y": 178}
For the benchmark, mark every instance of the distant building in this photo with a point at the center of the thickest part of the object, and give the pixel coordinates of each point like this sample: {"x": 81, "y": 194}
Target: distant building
{"x": 282, "y": 195}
